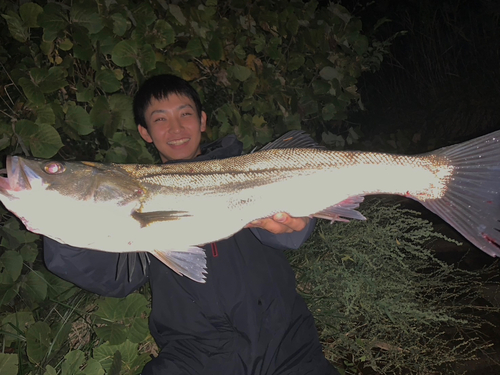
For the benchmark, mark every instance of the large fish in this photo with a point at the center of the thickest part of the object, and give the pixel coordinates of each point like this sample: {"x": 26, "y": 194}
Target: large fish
{"x": 170, "y": 210}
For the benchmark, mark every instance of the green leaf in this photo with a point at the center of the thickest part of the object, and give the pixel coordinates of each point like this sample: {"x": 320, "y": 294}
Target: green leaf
{"x": 15, "y": 325}
{"x": 215, "y": 49}
{"x": 8, "y": 292}
{"x": 125, "y": 53}
{"x": 87, "y": 17}
{"x": 165, "y": 34}
{"x": 107, "y": 80}
{"x": 292, "y": 24}
{"x": 143, "y": 13}
{"x": 292, "y": 122}
{"x": 134, "y": 305}
{"x": 52, "y": 22}
{"x": 138, "y": 330}
{"x": 45, "y": 115}
{"x": 84, "y": 94}
{"x": 16, "y": 26}
{"x": 49, "y": 80}
{"x": 176, "y": 11}
{"x": 10, "y": 232}
{"x": 78, "y": 119}
{"x": 38, "y": 338}
{"x": 241, "y": 73}
{"x": 116, "y": 365}
{"x": 113, "y": 332}
{"x": 49, "y": 370}
{"x": 29, "y": 13}
{"x": 72, "y": 362}
{"x": 320, "y": 87}
{"x": 82, "y": 48}
{"x": 66, "y": 44}
{"x": 105, "y": 353}
{"x": 29, "y": 252}
{"x": 194, "y": 47}
{"x": 122, "y": 105}
{"x": 58, "y": 288}
{"x": 35, "y": 286}
{"x": 9, "y": 364}
{"x": 328, "y": 73}
{"x": 250, "y": 85}
{"x": 11, "y": 264}
{"x": 32, "y": 91}
{"x": 147, "y": 59}
{"x": 120, "y": 24}
{"x": 93, "y": 367}
{"x": 100, "y": 114}
{"x": 46, "y": 142}
{"x": 328, "y": 112}
{"x": 295, "y": 62}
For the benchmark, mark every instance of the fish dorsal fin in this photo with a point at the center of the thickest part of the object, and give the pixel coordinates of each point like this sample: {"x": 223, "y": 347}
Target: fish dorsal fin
{"x": 292, "y": 139}
{"x": 147, "y": 218}
{"x": 342, "y": 211}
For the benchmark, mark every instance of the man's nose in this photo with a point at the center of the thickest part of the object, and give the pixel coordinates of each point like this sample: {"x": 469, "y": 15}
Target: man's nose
{"x": 175, "y": 126}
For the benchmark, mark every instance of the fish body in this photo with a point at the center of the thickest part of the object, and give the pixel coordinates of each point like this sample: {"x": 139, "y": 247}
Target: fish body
{"x": 170, "y": 210}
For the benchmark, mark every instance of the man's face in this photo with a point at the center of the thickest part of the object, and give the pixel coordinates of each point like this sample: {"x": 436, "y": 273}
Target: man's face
{"x": 174, "y": 127}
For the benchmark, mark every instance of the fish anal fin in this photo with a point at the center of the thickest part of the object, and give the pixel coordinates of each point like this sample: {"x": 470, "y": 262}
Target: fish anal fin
{"x": 147, "y": 218}
{"x": 191, "y": 262}
{"x": 342, "y": 211}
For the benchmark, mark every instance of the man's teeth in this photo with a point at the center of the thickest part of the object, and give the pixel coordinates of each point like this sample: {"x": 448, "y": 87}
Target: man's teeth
{"x": 178, "y": 142}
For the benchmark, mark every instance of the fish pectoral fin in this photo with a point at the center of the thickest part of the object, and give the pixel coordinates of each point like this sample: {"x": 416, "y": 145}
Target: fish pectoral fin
{"x": 342, "y": 211}
{"x": 191, "y": 262}
{"x": 147, "y": 218}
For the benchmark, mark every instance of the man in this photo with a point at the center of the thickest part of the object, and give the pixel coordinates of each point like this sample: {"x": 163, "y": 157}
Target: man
{"x": 247, "y": 318}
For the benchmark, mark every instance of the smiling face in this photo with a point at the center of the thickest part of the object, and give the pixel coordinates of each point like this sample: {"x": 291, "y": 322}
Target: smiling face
{"x": 174, "y": 127}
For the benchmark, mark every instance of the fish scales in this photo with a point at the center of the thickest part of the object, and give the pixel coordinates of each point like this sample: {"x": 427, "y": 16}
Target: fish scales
{"x": 151, "y": 208}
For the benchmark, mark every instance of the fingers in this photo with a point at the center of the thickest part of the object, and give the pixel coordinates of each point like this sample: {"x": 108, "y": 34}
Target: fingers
{"x": 281, "y": 223}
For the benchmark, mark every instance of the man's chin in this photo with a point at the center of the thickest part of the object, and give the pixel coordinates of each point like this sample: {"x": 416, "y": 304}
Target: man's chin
{"x": 172, "y": 156}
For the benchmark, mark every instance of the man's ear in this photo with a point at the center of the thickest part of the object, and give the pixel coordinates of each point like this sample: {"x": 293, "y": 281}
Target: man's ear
{"x": 203, "y": 121}
{"x": 144, "y": 133}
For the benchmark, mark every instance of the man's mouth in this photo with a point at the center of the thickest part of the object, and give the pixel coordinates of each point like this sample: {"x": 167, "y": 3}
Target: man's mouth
{"x": 178, "y": 142}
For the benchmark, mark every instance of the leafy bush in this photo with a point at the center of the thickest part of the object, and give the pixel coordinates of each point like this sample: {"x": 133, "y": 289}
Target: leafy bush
{"x": 260, "y": 67}
{"x": 69, "y": 70}
{"x": 383, "y": 301}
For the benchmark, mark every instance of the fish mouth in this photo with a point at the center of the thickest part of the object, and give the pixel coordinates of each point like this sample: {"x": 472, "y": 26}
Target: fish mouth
{"x": 18, "y": 177}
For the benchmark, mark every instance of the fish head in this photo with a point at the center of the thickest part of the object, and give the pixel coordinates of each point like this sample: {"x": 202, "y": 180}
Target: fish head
{"x": 35, "y": 189}
{"x": 79, "y": 180}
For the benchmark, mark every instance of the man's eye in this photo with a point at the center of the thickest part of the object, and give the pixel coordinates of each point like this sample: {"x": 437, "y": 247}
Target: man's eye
{"x": 159, "y": 119}
{"x": 186, "y": 114}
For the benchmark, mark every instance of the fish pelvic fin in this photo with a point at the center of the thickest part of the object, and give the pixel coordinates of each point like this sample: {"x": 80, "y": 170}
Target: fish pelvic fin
{"x": 471, "y": 202}
{"x": 191, "y": 262}
{"x": 342, "y": 211}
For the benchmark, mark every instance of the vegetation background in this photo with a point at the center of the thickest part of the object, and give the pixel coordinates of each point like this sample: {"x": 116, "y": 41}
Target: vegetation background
{"x": 412, "y": 76}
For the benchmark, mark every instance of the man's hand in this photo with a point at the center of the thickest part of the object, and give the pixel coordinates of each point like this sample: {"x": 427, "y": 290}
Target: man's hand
{"x": 280, "y": 223}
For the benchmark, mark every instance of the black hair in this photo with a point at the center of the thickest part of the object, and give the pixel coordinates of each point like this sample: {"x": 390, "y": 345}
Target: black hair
{"x": 160, "y": 87}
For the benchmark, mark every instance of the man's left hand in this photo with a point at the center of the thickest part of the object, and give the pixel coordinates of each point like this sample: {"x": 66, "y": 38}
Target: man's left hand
{"x": 280, "y": 223}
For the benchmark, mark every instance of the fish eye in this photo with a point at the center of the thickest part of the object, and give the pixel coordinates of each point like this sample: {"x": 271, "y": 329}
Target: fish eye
{"x": 54, "y": 167}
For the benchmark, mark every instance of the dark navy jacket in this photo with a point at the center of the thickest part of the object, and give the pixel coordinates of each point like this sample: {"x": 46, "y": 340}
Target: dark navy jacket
{"x": 246, "y": 319}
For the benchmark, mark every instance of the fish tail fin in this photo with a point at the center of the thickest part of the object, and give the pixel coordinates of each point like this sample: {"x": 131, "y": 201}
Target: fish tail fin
{"x": 191, "y": 262}
{"x": 471, "y": 203}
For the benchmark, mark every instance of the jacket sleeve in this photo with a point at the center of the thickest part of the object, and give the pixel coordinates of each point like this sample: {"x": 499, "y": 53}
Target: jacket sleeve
{"x": 95, "y": 271}
{"x": 285, "y": 241}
